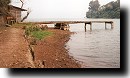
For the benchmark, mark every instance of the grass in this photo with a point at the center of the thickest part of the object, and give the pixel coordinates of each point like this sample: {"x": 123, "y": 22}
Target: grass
{"x": 33, "y": 31}
{"x": 23, "y": 24}
{"x": 40, "y": 34}
{"x": 37, "y": 33}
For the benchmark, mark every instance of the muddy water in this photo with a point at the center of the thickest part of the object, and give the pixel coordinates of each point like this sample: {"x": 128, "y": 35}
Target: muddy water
{"x": 98, "y": 48}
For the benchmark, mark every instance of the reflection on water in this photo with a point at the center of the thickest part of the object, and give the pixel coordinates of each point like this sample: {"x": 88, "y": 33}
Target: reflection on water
{"x": 97, "y": 49}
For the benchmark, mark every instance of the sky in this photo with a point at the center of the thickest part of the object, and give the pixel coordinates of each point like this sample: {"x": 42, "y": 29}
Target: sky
{"x": 57, "y": 8}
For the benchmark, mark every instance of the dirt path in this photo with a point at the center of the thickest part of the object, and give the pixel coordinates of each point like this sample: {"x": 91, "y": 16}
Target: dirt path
{"x": 48, "y": 53}
{"x": 14, "y": 51}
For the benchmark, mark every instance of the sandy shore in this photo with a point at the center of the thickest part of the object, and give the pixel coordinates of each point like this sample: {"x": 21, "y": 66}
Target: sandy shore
{"x": 48, "y": 53}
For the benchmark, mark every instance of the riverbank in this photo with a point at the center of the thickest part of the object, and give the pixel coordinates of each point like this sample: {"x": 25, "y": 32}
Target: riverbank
{"x": 49, "y": 52}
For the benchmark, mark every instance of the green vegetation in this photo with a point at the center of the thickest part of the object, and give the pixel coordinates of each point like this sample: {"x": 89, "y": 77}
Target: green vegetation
{"x": 110, "y": 10}
{"x": 36, "y": 32}
{"x": 33, "y": 32}
{"x": 24, "y": 25}
{"x": 40, "y": 34}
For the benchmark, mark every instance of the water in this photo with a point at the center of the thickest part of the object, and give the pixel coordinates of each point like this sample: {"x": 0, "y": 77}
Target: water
{"x": 98, "y": 48}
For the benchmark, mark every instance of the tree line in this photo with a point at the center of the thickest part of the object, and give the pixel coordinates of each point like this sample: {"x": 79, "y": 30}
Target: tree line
{"x": 109, "y": 10}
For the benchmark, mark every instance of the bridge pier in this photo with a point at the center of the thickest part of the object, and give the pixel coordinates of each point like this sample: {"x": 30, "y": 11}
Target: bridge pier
{"x": 85, "y": 27}
{"x": 90, "y": 26}
{"x": 90, "y": 23}
{"x": 105, "y": 25}
{"x": 112, "y": 25}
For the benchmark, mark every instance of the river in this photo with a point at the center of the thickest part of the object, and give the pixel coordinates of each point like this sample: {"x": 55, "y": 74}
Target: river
{"x": 99, "y": 48}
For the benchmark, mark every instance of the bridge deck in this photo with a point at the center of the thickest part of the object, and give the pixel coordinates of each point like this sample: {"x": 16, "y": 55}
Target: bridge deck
{"x": 73, "y": 22}
{"x": 70, "y": 22}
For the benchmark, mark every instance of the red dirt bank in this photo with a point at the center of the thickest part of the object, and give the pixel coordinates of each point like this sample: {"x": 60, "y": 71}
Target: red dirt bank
{"x": 52, "y": 53}
{"x": 48, "y": 53}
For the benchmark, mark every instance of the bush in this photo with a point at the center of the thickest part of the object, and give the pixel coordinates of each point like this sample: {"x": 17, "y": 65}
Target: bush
{"x": 30, "y": 29}
{"x": 36, "y": 32}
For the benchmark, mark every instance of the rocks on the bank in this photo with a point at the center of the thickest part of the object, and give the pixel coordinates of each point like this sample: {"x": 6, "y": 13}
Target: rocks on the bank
{"x": 8, "y": 25}
{"x": 39, "y": 64}
{"x": 42, "y": 26}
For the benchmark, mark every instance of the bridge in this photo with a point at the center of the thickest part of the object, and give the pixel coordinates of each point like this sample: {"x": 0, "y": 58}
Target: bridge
{"x": 107, "y": 21}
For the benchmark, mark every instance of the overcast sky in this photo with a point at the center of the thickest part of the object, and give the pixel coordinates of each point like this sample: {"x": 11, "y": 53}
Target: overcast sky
{"x": 57, "y": 8}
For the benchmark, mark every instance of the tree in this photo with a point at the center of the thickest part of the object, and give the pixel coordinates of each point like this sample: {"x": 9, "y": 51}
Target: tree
{"x": 110, "y": 10}
{"x": 4, "y": 3}
{"x": 22, "y": 3}
{"x": 28, "y": 11}
{"x": 93, "y": 8}
{"x": 94, "y": 5}
{"x": 4, "y": 6}
{"x": 25, "y": 17}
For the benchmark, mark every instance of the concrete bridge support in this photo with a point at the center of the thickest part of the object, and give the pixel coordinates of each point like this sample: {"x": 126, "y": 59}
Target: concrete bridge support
{"x": 90, "y": 23}
{"x": 112, "y": 24}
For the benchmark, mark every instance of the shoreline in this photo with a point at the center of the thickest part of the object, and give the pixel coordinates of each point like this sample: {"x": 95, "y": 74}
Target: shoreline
{"x": 51, "y": 53}
{"x": 48, "y": 53}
